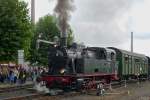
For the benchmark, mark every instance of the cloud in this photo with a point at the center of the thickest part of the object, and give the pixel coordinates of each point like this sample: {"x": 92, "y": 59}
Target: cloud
{"x": 140, "y": 46}
{"x": 142, "y": 35}
{"x": 141, "y": 17}
{"x": 99, "y": 22}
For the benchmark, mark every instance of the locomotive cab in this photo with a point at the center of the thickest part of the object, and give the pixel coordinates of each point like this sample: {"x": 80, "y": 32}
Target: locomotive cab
{"x": 99, "y": 60}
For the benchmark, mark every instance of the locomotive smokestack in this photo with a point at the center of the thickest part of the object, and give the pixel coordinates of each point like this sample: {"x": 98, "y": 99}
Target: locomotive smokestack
{"x": 62, "y": 10}
{"x": 132, "y": 42}
{"x": 33, "y": 11}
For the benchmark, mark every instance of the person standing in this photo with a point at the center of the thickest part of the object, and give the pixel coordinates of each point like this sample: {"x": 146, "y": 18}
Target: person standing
{"x": 11, "y": 77}
{"x": 1, "y": 77}
{"x": 24, "y": 76}
{"x": 21, "y": 76}
{"x": 16, "y": 74}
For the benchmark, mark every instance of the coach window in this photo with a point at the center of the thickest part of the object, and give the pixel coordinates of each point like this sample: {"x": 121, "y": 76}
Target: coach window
{"x": 126, "y": 58}
{"x": 129, "y": 59}
{"x": 102, "y": 54}
{"x": 112, "y": 56}
{"x": 137, "y": 60}
{"x": 91, "y": 54}
{"x": 84, "y": 53}
{"x": 108, "y": 56}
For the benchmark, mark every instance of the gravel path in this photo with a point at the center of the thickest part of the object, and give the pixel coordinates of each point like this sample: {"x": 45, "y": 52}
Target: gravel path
{"x": 133, "y": 91}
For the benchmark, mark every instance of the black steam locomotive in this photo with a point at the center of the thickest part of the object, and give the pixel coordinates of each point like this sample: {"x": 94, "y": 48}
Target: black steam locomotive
{"x": 80, "y": 67}
{"x": 81, "y": 60}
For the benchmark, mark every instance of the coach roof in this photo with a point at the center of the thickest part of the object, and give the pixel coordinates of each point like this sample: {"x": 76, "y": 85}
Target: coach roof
{"x": 128, "y": 52}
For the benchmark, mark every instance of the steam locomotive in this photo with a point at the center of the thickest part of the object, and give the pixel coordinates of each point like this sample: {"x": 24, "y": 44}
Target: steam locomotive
{"x": 78, "y": 67}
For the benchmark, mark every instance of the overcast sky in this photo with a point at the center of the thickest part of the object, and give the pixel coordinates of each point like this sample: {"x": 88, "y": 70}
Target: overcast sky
{"x": 107, "y": 22}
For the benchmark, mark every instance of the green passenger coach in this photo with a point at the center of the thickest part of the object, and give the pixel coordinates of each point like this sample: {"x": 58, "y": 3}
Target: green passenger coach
{"x": 131, "y": 65}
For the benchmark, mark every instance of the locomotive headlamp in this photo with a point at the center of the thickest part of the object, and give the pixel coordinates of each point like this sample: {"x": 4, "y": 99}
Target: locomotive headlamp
{"x": 55, "y": 45}
{"x": 62, "y": 71}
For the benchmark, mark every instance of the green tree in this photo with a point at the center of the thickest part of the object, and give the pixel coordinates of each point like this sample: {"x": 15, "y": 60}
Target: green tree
{"x": 15, "y": 29}
{"x": 45, "y": 29}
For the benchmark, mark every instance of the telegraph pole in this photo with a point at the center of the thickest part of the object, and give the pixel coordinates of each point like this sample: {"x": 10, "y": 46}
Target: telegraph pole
{"x": 33, "y": 11}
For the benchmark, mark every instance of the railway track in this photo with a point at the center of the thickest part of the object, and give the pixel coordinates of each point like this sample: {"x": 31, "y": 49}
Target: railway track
{"x": 26, "y": 92}
{"x": 15, "y": 88}
{"x": 41, "y": 95}
{"x": 29, "y": 96}
{"x": 34, "y": 95}
{"x": 16, "y": 91}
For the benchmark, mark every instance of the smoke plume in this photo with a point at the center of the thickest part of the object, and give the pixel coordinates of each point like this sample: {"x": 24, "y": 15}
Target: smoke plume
{"x": 63, "y": 10}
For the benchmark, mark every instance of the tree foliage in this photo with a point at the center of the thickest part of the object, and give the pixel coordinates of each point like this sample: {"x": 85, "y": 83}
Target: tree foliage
{"x": 46, "y": 29}
{"x": 15, "y": 29}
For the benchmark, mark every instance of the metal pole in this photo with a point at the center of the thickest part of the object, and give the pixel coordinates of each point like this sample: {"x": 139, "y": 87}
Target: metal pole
{"x": 132, "y": 42}
{"x": 44, "y": 41}
{"x": 33, "y": 11}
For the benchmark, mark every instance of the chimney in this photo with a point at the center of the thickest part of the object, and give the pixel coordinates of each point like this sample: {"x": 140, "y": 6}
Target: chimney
{"x": 64, "y": 40}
